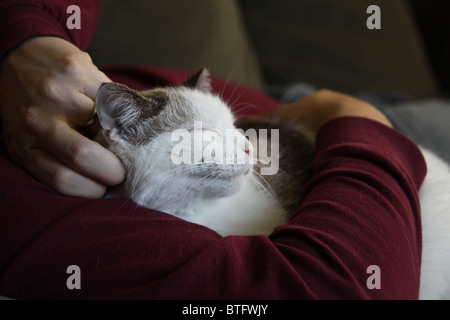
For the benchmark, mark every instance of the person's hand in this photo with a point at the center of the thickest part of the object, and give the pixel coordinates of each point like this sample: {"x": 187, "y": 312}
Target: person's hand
{"x": 47, "y": 92}
{"x": 316, "y": 109}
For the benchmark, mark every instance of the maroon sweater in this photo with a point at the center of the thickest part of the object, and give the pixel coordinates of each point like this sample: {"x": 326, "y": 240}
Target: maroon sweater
{"x": 360, "y": 209}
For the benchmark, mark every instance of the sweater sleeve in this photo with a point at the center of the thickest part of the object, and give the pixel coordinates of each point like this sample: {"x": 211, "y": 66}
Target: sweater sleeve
{"x": 21, "y": 20}
{"x": 356, "y": 235}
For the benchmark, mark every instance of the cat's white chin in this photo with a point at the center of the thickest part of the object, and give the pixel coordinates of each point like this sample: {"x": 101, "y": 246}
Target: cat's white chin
{"x": 226, "y": 186}
{"x": 242, "y": 174}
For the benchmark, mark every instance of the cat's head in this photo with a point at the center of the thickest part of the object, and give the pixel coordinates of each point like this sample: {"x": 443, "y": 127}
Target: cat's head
{"x": 179, "y": 144}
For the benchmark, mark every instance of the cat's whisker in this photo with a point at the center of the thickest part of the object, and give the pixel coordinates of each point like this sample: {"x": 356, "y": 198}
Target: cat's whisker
{"x": 207, "y": 185}
{"x": 239, "y": 108}
{"x": 137, "y": 187}
{"x": 226, "y": 82}
{"x": 198, "y": 181}
{"x": 263, "y": 184}
{"x": 231, "y": 101}
{"x": 233, "y": 97}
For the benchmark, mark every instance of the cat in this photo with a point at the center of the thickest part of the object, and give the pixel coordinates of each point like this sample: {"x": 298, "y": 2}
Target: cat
{"x": 143, "y": 130}
{"x": 434, "y": 198}
{"x": 233, "y": 198}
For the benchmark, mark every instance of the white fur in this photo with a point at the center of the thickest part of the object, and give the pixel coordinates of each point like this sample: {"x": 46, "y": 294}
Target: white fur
{"x": 435, "y": 206}
{"x": 210, "y": 109}
{"x": 251, "y": 211}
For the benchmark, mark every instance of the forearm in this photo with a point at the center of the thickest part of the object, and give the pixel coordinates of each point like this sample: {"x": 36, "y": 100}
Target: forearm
{"x": 21, "y": 20}
{"x": 316, "y": 109}
{"x": 361, "y": 209}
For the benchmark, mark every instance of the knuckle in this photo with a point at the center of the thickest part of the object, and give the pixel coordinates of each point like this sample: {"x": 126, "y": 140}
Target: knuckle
{"x": 65, "y": 182}
{"x": 48, "y": 89}
{"x": 97, "y": 193}
{"x": 79, "y": 152}
{"x": 32, "y": 119}
{"x": 86, "y": 57}
{"x": 73, "y": 65}
{"x": 62, "y": 180}
{"x": 325, "y": 92}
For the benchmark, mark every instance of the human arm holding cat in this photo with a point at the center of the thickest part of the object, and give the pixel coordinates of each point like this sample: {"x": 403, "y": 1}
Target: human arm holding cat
{"x": 316, "y": 109}
{"x": 47, "y": 88}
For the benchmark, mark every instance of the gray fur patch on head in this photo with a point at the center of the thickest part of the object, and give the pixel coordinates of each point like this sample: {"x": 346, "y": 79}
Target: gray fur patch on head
{"x": 173, "y": 112}
{"x": 137, "y": 117}
{"x": 119, "y": 106}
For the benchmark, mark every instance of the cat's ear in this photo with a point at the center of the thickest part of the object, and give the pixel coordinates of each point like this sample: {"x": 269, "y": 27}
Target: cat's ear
{"x": 200, "y": 81}
{"x": 117, "y": 107}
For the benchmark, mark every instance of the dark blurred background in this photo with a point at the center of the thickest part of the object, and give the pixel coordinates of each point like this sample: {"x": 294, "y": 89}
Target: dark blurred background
{"x": 263, "y": 42}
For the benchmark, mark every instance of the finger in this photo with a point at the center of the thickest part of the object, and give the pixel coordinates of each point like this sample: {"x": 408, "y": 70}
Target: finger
{"x": 78, "y": 109}
{"x": 96, "y": 78}
{"x": 68, "y": 103}
{"x": 52, "y": 172}
{"x": 84, "y": 156}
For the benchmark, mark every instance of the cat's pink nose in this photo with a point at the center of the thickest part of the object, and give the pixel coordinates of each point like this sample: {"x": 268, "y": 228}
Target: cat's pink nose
{"x": 248, "y": 148}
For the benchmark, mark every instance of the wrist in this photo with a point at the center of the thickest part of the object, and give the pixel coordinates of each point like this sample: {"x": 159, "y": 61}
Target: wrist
{"x": 360, "y": 109}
